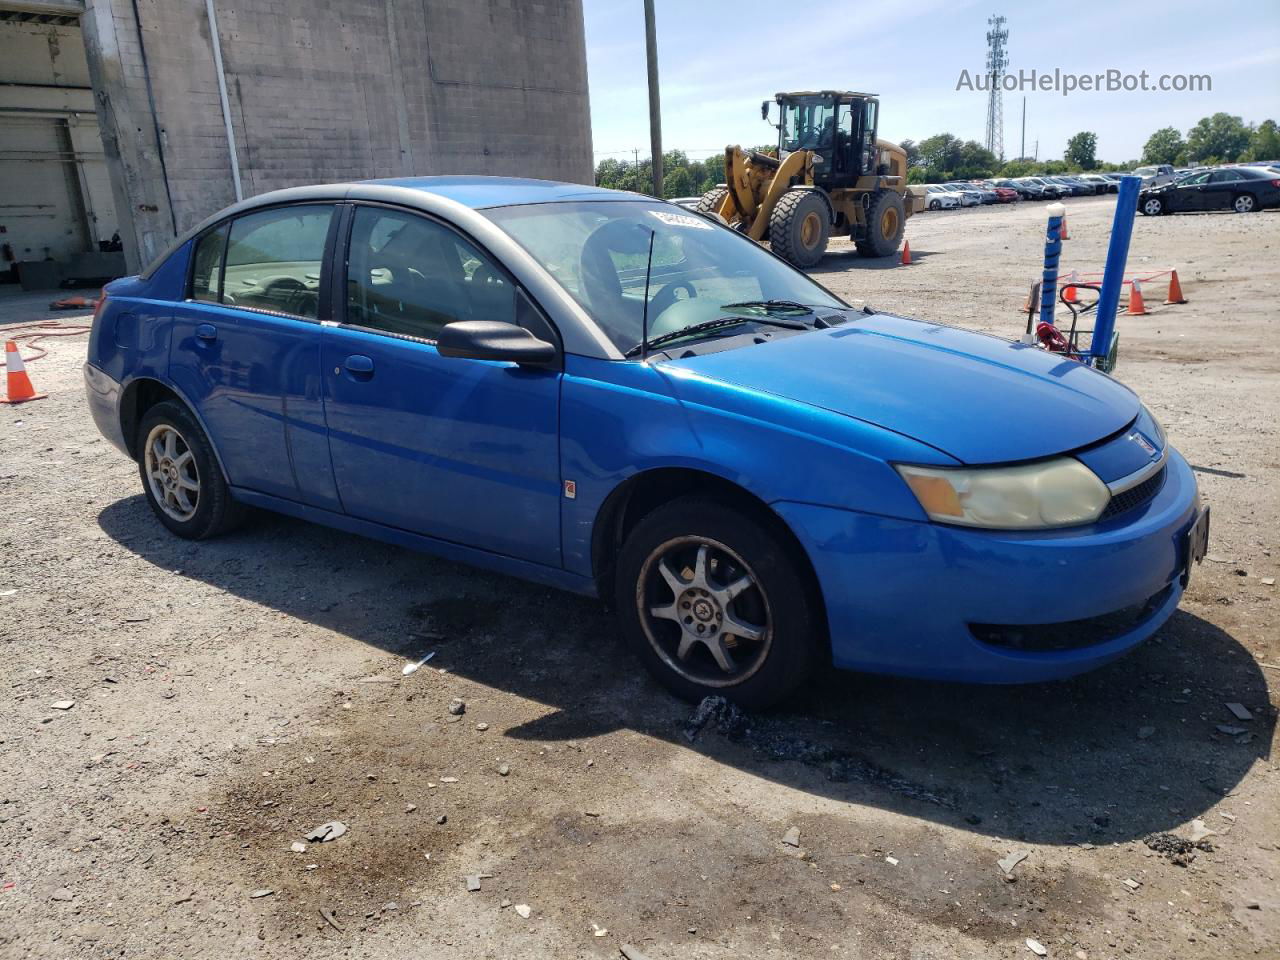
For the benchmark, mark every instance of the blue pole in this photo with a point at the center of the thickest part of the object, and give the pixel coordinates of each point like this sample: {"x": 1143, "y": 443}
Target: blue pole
{"x": 1113, "y": 277}
{"x": 1052, "y": 251}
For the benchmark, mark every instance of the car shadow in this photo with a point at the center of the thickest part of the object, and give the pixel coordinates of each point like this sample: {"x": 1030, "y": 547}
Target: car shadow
{"x": 1126, "y": 751}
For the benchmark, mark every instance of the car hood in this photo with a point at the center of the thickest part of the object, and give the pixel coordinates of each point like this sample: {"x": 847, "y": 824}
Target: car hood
{"x": 978, "y": 398}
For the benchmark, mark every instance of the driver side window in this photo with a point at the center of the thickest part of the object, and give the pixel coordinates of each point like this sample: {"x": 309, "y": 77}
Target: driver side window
{"x": 410, "y": 276}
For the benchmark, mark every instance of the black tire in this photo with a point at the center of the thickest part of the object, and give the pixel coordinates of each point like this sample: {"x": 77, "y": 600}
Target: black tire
{"x": 1244, "y": 203}
{"x": 1151, "y": 206}
{"x": 781, "y": 600}
{"x": 212, "y": 511}
{"x": 886, "y": 221}
{"x": 799, "y": 227}
{"x": 710, "y": 201}
{"x": 935, "y": 204}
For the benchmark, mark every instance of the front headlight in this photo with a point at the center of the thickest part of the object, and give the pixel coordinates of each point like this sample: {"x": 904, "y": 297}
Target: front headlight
{"x": 1052, "y": 493}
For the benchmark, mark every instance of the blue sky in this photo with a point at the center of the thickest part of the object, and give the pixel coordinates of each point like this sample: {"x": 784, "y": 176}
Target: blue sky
{"x": 719, "y": 58}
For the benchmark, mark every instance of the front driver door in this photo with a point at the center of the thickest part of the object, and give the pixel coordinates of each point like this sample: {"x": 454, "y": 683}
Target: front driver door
{"x": 461, "y": 450}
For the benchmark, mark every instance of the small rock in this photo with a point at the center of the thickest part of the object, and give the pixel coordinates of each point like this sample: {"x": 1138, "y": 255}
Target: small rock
{"x": 1215, "y": 558}
{"x": 327, "y": 831}
{"x": 631, "y": 953}
{"x": 1237, "y": 709}
{"x": 457, "y": 708}
{"x": 1144, "y": 732}
{"x": 62, "y": 705}
{"x": 503, "y": 770}
{"x": 598, "y": 931}
{"x": 1132, "y": 884}
{"x": 410, "y": 807}
{"x": 473, "y": 883}
{"x": 443, "y": 818}
{"x": 1267, "y": 582}
{"x": 298, "y": 847}
{"x": 792, "y": 837}
{"x": 1012, "y": 860}
{"x": 892, "y": 861}
{"x": 1199, "y": 830}
{"x": 259, "y": 894}
{"x": 1230, "y": 730}
{"x": 522, "y": 909}
{"x": 1253, "y": 905}
{"x": 505, "y": 903}
{"x": 482, "y": 727}
{"x": 389, "y": 906}
{"x": 448, "y": 779}
{"x": 1036, "y": 947}
{"x": 62, "y": 893}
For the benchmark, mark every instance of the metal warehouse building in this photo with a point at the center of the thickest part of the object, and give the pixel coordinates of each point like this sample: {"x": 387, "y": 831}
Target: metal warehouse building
{"x": 142, "y": 117}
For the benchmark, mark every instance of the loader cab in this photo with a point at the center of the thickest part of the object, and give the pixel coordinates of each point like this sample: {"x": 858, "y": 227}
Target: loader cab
{"x": 838, "y": 127}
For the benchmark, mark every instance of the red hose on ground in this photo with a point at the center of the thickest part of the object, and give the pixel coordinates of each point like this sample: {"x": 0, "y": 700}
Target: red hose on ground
{"x": 42, "y": 329}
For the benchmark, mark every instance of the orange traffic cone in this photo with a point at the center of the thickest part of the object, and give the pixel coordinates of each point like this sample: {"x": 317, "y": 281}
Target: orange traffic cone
{"x": 1062, "y": 234}
{"x": 1069, "y": 290}
{"x": 19, "y": 386}
{"x": 1175, "y": 289}
{"x": 1137, "y": 307}
{"x": 906, "y": 253}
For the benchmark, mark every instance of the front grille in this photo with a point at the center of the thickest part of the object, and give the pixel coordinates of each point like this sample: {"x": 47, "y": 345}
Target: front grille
{"x": 1135, "y": 497}
{"x": 1069, "y": 634}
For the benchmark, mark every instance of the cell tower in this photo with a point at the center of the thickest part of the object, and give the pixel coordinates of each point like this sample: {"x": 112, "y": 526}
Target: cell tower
{"x": 997, "y": 61}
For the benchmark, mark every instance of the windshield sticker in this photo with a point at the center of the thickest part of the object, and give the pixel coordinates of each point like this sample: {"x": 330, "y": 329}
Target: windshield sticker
{"x": 680, "y": 219}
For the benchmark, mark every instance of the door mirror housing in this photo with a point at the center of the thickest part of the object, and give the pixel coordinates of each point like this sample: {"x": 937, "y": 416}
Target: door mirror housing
{"x": 494, "y": 340}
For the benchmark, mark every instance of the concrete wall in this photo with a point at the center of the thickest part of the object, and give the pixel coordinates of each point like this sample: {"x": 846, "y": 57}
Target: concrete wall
{"x": 55, "y": 195}
{"x": 329, "y": 90}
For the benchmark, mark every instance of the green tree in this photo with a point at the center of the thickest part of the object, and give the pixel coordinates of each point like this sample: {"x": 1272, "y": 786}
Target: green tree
{"x": 1082, "y": 150}
{"x": 677, "y": 183}
{"x": 974, "y": 162}
{"x": 1163, "y": 146}
{"x": 1265, "y": 143}
{"x": 940, "y": 154}
{"x": 1220, "y": 138}
{"x": 912, "y": 150}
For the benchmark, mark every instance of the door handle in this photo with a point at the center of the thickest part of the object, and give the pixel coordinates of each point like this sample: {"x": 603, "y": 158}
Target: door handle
{"x": 360, "y": 366}
{"x": 207, "y": 332}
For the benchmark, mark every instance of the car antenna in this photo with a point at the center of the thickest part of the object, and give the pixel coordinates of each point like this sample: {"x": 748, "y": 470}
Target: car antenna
{"x": 644, "y": 315}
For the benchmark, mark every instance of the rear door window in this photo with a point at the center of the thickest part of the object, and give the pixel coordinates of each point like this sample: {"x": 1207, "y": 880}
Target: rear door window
{"x": 206, "y": 268}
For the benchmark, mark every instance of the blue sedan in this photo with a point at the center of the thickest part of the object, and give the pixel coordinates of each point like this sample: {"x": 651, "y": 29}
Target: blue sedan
{"x": 615, "y": 396}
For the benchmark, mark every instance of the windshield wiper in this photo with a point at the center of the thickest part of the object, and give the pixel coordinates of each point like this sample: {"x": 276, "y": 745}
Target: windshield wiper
{"x": 765, "y": 304}
{"x": 708, "y": 325}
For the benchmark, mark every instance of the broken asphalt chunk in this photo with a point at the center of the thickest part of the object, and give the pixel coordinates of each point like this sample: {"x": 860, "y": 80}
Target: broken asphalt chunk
{"x": 1238, "y": 710}
{"x": 1014, "y": 858}
{"x": 792, "y": 837}
{"x": 1036, "y": 947}
{"x": 327, "y": 831}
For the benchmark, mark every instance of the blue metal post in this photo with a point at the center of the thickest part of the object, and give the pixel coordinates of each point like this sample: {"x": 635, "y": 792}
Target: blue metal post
{"x": 1113, "y": 277}
{"x": 1052, "y": 251}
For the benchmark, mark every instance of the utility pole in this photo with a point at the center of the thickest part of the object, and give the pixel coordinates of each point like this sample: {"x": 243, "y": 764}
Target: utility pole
{"x": 1022, "y": 151}
{"x": 635, "y": 152}
{"x": 655, "y": 107}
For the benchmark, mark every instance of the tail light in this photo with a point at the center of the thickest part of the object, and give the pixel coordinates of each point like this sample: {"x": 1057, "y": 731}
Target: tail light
{"x": 1275, "y": 183}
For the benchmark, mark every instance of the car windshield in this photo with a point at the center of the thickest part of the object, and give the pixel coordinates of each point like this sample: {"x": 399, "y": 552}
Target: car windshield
{"x": 702, "y": 271}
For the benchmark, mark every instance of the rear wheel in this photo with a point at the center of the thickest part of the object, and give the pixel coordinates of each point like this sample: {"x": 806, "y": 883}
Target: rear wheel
{"x": 886, "y": 221}
{"x": 181, "y": 476}
{"x": 1152, "y": 207}
{"x": 1244, "y": 203}
{"x": 799, "y": 227}
{"x": 716, "y": 602}
{"x": 710, "y": 201}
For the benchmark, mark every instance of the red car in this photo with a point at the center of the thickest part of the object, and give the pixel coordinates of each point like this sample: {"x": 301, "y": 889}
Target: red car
{"x": 1003, "y": 194}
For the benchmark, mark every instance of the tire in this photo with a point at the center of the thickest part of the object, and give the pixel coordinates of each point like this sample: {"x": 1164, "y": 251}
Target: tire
{"x": 799, "y": 227}
{"x": 935, "y": 204}
{"x": 1151, "y": 207}
{"x": 710, "y": 201}
{"x": 1244, "y": 203}
{"x": 659, "y": 570}
{"x": 173, "y": 454}
{"x": 886, "y": 222}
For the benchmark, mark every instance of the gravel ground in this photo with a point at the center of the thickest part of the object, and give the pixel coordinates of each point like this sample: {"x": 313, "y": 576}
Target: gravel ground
{"x": 231, "y": 696}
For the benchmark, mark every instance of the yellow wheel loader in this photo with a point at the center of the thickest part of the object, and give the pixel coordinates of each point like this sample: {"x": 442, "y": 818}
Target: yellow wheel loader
{"x": 831, "y": 177}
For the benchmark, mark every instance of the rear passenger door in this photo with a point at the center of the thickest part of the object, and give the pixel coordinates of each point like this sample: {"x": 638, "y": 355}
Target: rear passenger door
{"x": 246, "y": 348}
{"x": 1221, "y": 189}
{"x": 457, "y": 449}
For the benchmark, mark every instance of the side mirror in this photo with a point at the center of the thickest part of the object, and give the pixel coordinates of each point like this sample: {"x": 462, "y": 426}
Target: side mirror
{"x": 493, "y": 340}
{"x": 764, "y": 110}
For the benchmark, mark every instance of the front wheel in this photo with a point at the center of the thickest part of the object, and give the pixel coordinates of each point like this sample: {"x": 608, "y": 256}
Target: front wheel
{"x": 799, "y": 227}
{"x": 181, "y": 476}
{"x": 935, "y": 204}
{"x": 716, "y": 602}
{"x": 1244, "y": 203}
{"x": 1152, "y": 207}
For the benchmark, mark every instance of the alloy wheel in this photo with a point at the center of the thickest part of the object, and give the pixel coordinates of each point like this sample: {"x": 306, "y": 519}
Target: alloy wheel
{"x": 1244, "y": 203}
{"x": 704, "y": 612}
{"x": 172, "y": 474}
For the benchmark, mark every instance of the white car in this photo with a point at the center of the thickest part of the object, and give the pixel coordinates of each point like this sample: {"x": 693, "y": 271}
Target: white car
{"x": 968, "y": 197}
{"x": 937, "y": 198}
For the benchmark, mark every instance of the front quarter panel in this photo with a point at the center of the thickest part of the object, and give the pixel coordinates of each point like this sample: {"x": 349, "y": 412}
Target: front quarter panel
{"x": 621, "y": 419}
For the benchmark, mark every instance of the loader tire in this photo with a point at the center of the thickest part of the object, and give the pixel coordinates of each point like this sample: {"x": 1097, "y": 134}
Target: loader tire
{"x": 886, "y": 220}
{"x": 710, "y": 201}
{"x": 799, "y": 227}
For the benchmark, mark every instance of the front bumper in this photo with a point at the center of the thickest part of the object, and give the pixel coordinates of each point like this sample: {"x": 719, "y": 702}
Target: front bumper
{"x": 103, "y": 394}
{"x": 912, "y": 598}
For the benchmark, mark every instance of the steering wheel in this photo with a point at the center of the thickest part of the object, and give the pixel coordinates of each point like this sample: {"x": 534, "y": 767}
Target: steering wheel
{"x": 666, "y": 297}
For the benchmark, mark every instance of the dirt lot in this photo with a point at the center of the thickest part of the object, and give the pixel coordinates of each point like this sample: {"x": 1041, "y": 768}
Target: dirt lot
{"x": 231, "y": 696}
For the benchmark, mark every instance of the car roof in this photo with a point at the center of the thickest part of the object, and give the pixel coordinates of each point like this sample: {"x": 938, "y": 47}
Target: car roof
{"x": 480, "y": 192}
